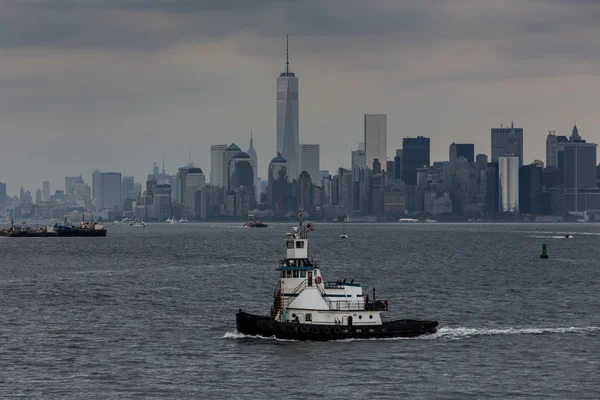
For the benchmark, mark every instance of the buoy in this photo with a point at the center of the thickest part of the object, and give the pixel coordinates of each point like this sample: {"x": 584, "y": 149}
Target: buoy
{"x": 544, "y": 254}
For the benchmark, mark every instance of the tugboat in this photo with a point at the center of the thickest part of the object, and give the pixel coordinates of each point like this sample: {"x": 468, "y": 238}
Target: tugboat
{"x": 305, "y": 307}
{"x": 252, "y": 223}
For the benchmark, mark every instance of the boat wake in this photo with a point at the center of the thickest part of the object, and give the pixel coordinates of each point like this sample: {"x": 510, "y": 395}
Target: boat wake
{"x": 552, "y": 237}
{"x": 457, "y": 333}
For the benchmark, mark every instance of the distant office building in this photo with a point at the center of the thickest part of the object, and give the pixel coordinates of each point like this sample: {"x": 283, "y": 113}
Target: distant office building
{"x": 45, "y": 191}
{"x": 38, "y": 196}
{"x": 192, "y": 183}
{"x": 2, "y": 193}
{"x": 415, "y": 155}
{"x": 551, "y": 150}
{"x": 531, "y": 189}
{"x": 288, "y": 138}
{"x": 254, "y": 158}
{"x": 359, "y": 159}
{"x": 155, "y": 170}
{"x": 507, "y": 141}
{"x": 231, "y": 151}
{"x": 580, "y": 176}
{"x": 508, "y": 177}
{"x": 310, "y": 161}
{"x": 97, "y": 186}
{"x": 375, "y": 138}
{"x": 398, "y": 164}
{"x": 466, "y": 150}
{"x": 111, "y": 190}
{"x": 128, "y": 190}
{"x": 217, "y": 152}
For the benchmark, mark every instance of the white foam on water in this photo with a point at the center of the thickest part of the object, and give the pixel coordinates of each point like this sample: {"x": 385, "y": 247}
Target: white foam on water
{"x": 461, "y": 333}
{"x": 237, "y": 335}
{"x": 447, "y": 333}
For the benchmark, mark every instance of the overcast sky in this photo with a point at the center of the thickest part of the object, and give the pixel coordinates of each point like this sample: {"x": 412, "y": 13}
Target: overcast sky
{"x": 112, "y": 84}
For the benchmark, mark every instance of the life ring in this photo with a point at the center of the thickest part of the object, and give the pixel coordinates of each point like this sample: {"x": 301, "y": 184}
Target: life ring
{"x": 318, "y": 279}
{"x": 315, "y": 330}
{"x": 327, "y": 330}
{"x": 337, "y": 330}
{"x": 304, "y": 329}
{"x": 291, "y": 328}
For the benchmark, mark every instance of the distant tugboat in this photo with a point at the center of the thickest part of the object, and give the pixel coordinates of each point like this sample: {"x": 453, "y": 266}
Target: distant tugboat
{"x": 305, "y": 307}
{"x": 252, "y": 223}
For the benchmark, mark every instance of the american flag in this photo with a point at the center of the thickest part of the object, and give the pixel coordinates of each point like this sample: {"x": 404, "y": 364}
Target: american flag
{"x": 310, "y": 228}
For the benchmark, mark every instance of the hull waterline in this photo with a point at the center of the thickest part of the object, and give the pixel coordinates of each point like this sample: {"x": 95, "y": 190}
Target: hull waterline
{"x": 258, "y": 325}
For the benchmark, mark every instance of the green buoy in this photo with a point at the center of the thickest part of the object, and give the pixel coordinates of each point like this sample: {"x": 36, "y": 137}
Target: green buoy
{"x": 544, "y": 254}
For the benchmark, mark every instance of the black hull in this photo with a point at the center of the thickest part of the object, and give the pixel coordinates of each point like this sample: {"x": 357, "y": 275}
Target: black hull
{"x": 83, "y": 232}
{"x": 27, "y": 234}
{"x": 258, "y": 325}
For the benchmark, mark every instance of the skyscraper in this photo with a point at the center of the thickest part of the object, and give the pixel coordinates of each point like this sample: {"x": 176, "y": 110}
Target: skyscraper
{"x": 216, "y": 164}
{"x": 231, "y": 151}
{"x": 376, "y": 138}
{"x": 287, "y": 120}
{"x": 111, "y": 190}
{"x": 2, "y": 193}
{"x": 551, "y": 150}
{"x": 252, "y": 153}
{"x": 45, "y": 191}
{"x": 466, "y": 150}
{"x": 579, "y": 174}
{"x": 508, "y": 176}
{"x": 415, "y": 155}
{"x": 310, "y": 161}
{"x": 507, "y": 141}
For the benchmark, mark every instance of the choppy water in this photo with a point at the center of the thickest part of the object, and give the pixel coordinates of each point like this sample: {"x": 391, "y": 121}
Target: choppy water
{"x": 150, "y": 313}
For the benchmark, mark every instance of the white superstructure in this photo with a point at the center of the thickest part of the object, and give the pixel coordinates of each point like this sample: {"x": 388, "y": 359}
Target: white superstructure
{"x": 303, "y": 295}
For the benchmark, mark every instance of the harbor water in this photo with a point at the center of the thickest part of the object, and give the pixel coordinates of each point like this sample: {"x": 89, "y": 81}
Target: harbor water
{"x": 150, "y": 313}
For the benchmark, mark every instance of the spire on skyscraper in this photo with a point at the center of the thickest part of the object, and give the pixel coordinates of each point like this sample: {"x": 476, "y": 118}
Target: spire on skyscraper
{"x": 287, "y": 54}
{"x": 251, "y": 141}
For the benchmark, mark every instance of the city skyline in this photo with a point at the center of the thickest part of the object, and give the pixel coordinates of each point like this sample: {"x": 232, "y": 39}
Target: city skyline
{"x": 118, "y": 102}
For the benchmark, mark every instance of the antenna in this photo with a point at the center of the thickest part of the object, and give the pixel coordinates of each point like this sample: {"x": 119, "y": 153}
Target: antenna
{"x": 287, "y": 55}
{"x": 163, "y": 171}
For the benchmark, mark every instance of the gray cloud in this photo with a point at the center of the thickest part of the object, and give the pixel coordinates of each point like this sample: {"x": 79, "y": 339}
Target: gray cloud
{"x": 99, "y": 78}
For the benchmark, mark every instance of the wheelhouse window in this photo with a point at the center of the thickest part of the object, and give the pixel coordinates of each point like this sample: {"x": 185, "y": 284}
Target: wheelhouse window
{"x": 289, "y": 274}
{"x": 308, "y": 317}
{"x": 302, "y": 274}
{"x": 296, "y": 274}
{"x": 299, "y": 245}
{"x": 289, "y": 244}
{"x": 283, "y": 274}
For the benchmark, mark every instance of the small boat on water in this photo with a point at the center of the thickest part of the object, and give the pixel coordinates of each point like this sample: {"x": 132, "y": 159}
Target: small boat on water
{"x": 182, "y": 220}
{"x": 171, "y": 220}
{"x": 344, "y": 235}
{"x": 306, "y": 307}
{"x": 252, "y": 223}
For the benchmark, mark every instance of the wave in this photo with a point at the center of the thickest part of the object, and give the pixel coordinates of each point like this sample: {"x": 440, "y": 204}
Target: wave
{"x": 448, "y": 333}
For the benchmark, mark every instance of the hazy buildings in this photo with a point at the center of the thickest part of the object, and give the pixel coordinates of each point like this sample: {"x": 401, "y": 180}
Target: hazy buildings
{"x": 530, "y": 189}
{"x": 415, "y": 155}
{"x": 38, "y": 196}
{"x": 45, "y": 191}
{"x": 508, "y": 176}
{"x": 287, "y": 120}
{"x": 241, "y": 173}
{"x": 217, "y": 151}
{"x": 375, "y": 128}
{"x": 310, "y": 161}
{"x": 507, "y": 141}
{"x": 359, "y": 159}
{"x": 192, "y": 182}
{"x": 70, "y": 182}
